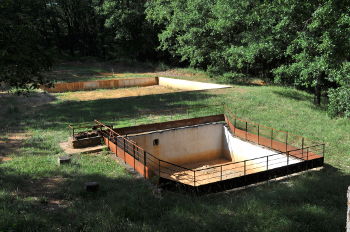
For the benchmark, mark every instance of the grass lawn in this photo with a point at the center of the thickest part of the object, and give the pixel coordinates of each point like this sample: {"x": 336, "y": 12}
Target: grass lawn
{"x": 38, "y": 195}
{"x": 90, "y": 71}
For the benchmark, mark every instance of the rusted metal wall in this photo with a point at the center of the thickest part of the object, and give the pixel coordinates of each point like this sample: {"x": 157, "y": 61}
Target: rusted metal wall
{"x": 102, "y": 84}
{"x": 129, "y": 159}
{"x": 171, "y": 124}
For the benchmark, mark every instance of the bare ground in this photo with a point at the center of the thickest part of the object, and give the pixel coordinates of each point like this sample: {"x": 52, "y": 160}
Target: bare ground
{"x": 11, "y": 138}
{"x": 45, "y": 193}
{"x": 115, "y": 93}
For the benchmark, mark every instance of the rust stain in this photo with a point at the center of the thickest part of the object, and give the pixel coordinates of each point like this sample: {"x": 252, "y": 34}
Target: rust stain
{"x": 102, "y": 84}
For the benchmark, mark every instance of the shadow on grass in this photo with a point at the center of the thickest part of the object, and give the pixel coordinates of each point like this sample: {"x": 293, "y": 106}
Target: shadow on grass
{"x": 314, "y": 201}
{"x": 54, "y": 116}
{"x": 293, "y": 94}
{"x": 86, "y": 70}
{"x": 242, "y": 81}
{"x": 298, "y": 95}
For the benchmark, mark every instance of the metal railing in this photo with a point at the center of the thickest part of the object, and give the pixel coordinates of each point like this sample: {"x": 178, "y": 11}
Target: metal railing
{"x": 158, "y": 167}
{"x": 289, "y": 148}
{"x": 200, "y": 176}
{"x": 143, "y": 117}
{"x": 269, "y": 137}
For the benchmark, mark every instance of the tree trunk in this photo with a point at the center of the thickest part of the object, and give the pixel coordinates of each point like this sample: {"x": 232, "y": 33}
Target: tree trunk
{"x": 317, "y": 99}
{"x": 318, "y": 89}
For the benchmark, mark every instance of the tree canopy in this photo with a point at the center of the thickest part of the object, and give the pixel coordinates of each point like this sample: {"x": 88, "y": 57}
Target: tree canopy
{"x": 304, "y": 44}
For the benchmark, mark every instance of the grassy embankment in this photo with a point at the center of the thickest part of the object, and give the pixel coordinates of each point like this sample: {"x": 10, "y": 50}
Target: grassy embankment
{"x": 38, "y": 195}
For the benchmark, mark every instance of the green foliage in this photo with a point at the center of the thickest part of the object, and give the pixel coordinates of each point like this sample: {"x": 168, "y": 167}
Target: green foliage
{"x": 222, "y": 36}
{"x": 304, "y": 44}
{"x": 134, "y": 36}
{"x": 339, "y": 102}
{"x": 22, "y": 58}
{"x": 320, "y": 49}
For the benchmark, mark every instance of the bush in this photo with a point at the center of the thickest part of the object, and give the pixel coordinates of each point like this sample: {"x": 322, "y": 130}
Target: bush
{"x": 339, "y": 102}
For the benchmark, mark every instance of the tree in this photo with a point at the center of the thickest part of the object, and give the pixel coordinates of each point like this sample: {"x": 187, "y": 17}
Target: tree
{"x": 133, "y": 35}
{"x": 321, "y": 50}
{"x": 22, "y": 57}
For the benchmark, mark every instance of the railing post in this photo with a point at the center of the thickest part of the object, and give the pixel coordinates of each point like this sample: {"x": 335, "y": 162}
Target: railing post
{"x": 194, "y": 178}
{"x": 246, "y": 130}
{"x": 267, "y": 162}
{"x": 116, "y": 147}
{"x": 258, "y": 134}
{"x": 271, "y": 136}
{"x": 302, "y": 147}
{"x": 234, "y": 128}
{"x": 286, "y": 141}
{"x": 109, "y": 137}
{"x": 221, "y": 172}
{"x": 124, "y": 150}
{"x": 287, "y": 158}
{"x": 245, "y": 167}
{"x": 133, "y": 147}
{"x": 144, "y": 163}
{"x": 73, "y": 132}
{"x": 323, "y": 149}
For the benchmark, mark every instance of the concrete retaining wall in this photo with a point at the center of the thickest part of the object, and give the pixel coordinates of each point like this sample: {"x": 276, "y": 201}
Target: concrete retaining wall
{"x": 133, "y": 82}
{"x": 241, "y": 150}
{"x": 188, "y": 85}
{"x": 102, "y": 84}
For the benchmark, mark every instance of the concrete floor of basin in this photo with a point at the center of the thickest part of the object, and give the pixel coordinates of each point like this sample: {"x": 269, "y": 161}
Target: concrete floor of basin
{"x": 222, "y": 169}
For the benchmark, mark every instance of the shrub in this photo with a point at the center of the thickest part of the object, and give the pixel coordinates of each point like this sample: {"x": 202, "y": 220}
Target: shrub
{"x": 339, "y": 102}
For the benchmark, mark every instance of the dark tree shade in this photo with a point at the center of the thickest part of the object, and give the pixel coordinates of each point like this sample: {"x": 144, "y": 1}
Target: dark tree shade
{"x": 22, "y": 58}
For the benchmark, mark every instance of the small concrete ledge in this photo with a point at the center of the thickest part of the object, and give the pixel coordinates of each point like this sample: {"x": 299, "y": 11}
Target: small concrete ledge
{"x": 66, "y": 147}
{"x": 91, "y": 186}
{"x": 64, "y": 160}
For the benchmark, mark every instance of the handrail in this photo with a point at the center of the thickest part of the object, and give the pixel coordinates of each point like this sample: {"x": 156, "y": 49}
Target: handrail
{"x": 257, "y": 124}
{"x": 111, "y": 130}
{"x": 148, "y": 157}
{"x": 248, "y": 160}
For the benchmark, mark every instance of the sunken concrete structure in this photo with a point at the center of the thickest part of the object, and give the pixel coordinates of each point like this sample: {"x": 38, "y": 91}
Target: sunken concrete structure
{"x": 211, "y": 153}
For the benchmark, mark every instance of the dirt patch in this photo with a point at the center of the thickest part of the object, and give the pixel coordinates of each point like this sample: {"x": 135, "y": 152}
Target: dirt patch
{"x": 115, "y": 93}
{"x": 4, "y": 159}
{"x": 45, "y": 192}
{"x": 10, "y": 144}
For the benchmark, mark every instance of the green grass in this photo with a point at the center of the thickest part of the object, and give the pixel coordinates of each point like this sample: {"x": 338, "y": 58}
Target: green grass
{"x": 90, "y": 71}
{"x": 315, "y": 201}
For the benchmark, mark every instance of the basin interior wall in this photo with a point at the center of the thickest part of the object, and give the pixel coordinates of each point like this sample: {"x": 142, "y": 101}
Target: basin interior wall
{"x": 188, "y": 145}
{"x": 208, "y": 144}
{"x": 258, "y": 158}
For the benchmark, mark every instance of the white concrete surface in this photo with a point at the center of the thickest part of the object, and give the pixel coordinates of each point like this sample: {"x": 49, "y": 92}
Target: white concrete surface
{"x": 241, "y": 150}
{"x": 208, "y": 142}
{"x": 184, "y": 145}
{"x": 188, "y": 85}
